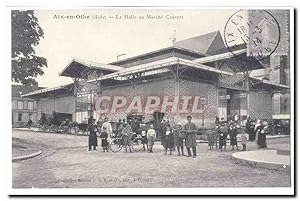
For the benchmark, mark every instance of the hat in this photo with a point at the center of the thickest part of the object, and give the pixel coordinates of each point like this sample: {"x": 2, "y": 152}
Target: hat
{"x": 179, "y": 124}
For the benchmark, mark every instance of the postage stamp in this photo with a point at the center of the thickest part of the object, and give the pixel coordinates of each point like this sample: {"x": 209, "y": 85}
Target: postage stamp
{"x": 152, "y": 101}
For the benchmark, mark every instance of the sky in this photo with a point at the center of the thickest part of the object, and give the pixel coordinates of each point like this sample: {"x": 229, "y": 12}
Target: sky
{"x": 97, "y": 37}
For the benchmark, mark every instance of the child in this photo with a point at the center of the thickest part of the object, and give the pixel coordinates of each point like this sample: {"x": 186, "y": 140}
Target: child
{"x": 144, "y": 136}
{"x": 151, "y": 134}
{"x": 104, "y": 142}
{"x": 178, "y": 136}
{"x": 210, "y": 138}
{"x": 168, "y": 140}
{"x": 243, "y": 141}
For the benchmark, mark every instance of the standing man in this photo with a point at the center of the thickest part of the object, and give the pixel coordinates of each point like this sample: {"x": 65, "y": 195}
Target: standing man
{"x": 190, "y": 129}
{"x": 107, "y": 126}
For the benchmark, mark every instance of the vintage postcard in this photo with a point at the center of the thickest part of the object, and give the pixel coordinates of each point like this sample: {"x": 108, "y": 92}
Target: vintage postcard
{"x": 152, "y": 101}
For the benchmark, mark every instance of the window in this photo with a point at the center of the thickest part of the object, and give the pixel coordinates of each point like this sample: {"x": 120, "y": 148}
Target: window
{"x": 20, "y": 105}
{"x": 30, "y": 105}
{"x": 20, "y": 117}
{"x": 14, "y": 104}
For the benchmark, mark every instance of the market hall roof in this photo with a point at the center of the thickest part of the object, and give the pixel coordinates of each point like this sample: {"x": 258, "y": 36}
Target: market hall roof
{"x": 79, "y": 68}
{"x": 158, "y": 65}
{"x": 53, "y": 91}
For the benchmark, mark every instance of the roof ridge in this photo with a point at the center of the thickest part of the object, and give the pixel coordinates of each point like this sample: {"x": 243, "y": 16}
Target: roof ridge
{"x": 213, "y": 38}
{"x": 200, "y": 35}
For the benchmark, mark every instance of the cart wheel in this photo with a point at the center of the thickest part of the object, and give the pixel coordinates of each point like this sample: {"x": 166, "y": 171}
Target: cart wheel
{"x": 116, "y": 145}
{"x": 53, "y": 129}
{"x": 137, "y": 144}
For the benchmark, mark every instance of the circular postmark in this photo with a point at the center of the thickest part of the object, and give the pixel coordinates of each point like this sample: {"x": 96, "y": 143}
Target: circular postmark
{"x": 256, "y": 30}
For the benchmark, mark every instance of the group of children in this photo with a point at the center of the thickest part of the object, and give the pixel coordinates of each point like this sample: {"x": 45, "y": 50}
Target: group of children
{"x": 220, "y": 134}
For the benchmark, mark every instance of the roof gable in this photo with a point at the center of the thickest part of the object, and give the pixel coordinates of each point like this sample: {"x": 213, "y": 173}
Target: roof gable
{"x": 200, "y": 44}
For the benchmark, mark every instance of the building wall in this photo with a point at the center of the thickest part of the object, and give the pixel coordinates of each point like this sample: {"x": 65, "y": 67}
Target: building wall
{"x": 64, "y": 104}
{"x": 170, "y": 88}
{"x": 20, "y": 116}
{"x": 260, "y": 104}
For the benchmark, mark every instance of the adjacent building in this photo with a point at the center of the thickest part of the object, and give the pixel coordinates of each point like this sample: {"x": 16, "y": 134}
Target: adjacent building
{"x": 23, "y": 108}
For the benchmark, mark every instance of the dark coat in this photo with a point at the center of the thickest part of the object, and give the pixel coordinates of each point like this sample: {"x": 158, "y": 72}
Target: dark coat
{"x": 251, "y": 132}
{"x": 104, "y": 136}
{"x": 191, "y": 139}
{"x": 93, "y": 135}
{"x": 168, "y": 140}
{"x": 233, "y": 136}
{"x": 223, "y": 132}
{"x": 261, "y": 138}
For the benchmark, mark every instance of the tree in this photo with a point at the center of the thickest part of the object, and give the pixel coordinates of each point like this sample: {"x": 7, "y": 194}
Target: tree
{"x": 26, "y": 34}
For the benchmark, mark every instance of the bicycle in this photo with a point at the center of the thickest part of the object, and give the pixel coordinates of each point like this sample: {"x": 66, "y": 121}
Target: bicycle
{"x": 118, "y": 143}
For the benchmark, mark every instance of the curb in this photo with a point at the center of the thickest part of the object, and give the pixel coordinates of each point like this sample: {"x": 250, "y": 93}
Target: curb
{"x": 256, "y": 164}
{"x": 25, "y": 157}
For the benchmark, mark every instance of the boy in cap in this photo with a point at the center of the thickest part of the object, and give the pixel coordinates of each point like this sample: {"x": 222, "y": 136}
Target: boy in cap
{"x": 179, "y": 136}
{"x": 151, "y": 134}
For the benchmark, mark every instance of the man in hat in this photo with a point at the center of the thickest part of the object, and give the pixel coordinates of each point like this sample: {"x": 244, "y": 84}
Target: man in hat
{"x": 190, "y": 129}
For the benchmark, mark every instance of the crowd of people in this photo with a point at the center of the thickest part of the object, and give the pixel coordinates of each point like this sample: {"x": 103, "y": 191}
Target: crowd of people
{"x": 176, "y": 137}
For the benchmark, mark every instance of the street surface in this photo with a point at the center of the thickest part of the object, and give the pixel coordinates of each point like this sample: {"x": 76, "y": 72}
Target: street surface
{"x": 66, "y": 163}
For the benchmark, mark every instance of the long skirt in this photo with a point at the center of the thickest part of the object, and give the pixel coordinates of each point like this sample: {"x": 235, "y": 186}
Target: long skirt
{"x": 261, "y": 140}
{"x": 168, "y": 142}
{"x": 251, "y": 134}
{"x": 104, "y": 142}
{"x": 93, "y": 140}
{"x": 233, "y": 141}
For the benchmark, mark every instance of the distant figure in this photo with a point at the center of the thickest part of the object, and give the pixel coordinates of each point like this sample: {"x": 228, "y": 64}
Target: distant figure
{"x": 262, "y": 130}
{"x": 29, "y": 123}
{"x": 144, "y": 136}
{"x": 233, "y": 136}
{"x": 243, "y": 138}
{"x": 251, "y": 131}
{"x": 92, "y": 130}
{"x": 90, "y": 120}
{"x": 223, "y": 132}
{"x": 107, "y": 126}
{"x": 104, "y": 142}
{"x": 126, "y": 136}
{"x": 135, "y": 125}
{"x": 168, "y": 140}
{"x": 211, "y": 138}
{"x": 43, "y": 119}
{"x": 84, "y": 121}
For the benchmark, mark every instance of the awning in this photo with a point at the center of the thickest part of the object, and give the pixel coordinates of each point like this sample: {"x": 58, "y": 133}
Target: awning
{"x": 281, "y": 116}
{"x": 158, "y": 65}
{"x": 79, "y": 68}
{"x": 63, "y": 89}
